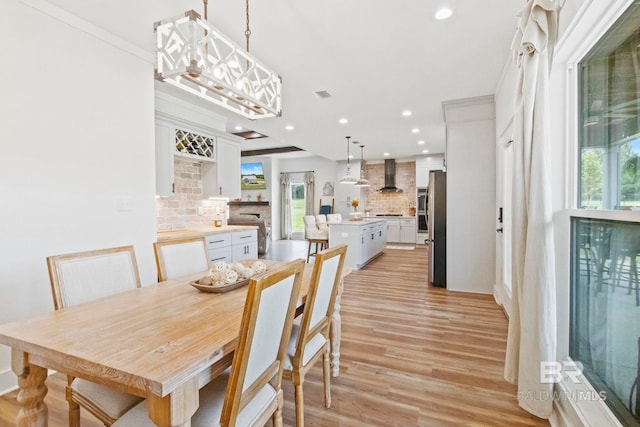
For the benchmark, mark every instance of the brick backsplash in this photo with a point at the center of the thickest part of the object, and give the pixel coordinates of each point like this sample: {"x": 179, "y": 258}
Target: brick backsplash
{"x": 392, "y": 203}
{"x": 180, "y": 210}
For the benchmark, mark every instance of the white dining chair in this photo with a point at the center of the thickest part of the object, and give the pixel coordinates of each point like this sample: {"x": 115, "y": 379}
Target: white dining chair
{"x": 250, "y": 392}
{"x": 310, "y": 338}
{"x": 176, "y": 258}
{"x": 86, "y": 276}
{"x": 315, "y": 235}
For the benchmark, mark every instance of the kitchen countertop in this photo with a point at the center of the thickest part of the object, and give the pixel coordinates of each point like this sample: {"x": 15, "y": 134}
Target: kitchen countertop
{"x": 390, "y": 216}
{"x": 163, "y": 236}
{"x": 365, "y": 220}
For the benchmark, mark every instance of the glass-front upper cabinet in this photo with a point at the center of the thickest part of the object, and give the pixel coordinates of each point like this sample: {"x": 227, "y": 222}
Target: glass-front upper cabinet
{"x": 609, "y": 123}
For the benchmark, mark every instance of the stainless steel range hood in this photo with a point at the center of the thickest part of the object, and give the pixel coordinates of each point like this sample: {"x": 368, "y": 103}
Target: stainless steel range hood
{"x": 389, "y": 177}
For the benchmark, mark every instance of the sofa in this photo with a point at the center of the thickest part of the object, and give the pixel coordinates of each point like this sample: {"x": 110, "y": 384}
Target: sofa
{"x": 264, "y": 232}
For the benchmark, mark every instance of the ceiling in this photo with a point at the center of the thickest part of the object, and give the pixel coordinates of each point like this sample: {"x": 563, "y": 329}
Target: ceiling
{"x": 376, "y": 58}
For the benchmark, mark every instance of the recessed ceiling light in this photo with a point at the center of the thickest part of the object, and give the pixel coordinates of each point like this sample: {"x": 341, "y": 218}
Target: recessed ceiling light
{"x": 420, "y": 142}
{"x": 386, "y": 154}
{"x": 425, "y": 151}
{"x": 415, "y": 130}
{"x": 443, "y": 13}
{"x": 351, "y": 156}
{"x": 406, "y": 113}
{"x": 343, "y": 121}
{"x": 238, "y": 128}
{"x": 289, "y": 127}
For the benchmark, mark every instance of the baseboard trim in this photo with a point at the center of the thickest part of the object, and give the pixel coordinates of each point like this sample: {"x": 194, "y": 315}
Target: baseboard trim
{"x": 571, "y": 410}
{"x": 8, "y": 382}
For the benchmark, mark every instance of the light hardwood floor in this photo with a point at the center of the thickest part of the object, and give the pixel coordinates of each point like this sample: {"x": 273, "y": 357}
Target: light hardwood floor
{"x": 411, "y": 355}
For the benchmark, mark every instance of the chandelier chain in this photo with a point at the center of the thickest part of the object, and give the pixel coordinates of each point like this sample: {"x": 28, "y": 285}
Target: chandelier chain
{"x": 247, "y": 32}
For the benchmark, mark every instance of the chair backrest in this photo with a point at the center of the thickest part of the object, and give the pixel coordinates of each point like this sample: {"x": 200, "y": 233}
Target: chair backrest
{"x": 177, "y": 258}
{"x": 321, "y": 222}
{"x": 334, "y": 218}
{"x": 310, "y": 227}
{"x": 321, "y": 298}
{"x": 326, "y": 208}
{"x": 264, "y": 335}
{"x": 85, "y": 276}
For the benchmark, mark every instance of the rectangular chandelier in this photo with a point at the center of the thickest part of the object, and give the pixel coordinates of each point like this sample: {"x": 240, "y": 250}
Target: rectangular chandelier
{"x": 197, "y": 58}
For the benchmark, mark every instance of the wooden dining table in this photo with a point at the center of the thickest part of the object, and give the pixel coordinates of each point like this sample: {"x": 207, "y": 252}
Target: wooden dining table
{"x": 162, "y": 342}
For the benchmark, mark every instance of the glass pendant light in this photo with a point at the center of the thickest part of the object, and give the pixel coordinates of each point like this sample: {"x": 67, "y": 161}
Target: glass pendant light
{"x": 348, "y": 179}
{"x": 362, "y": 182}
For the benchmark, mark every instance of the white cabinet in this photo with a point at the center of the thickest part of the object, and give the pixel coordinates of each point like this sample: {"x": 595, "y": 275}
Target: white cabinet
{"x": 365, "y": 240}
{"x": 381, "y": 236}
{"x": 422, "y": 172}
{"x": 165, "y": 147}
{"x": 401, "y": 230}
{"x": 408, "y": 230}
{"x": 223, "y": 180}
{"x": 426, "y": 164}
{"x": 233, "y": 246}
{"x": 219, "y": 247}
{"x": 393, "y": 230}
{"x": 244, "y": 245}
{"x": 218, "y": 155}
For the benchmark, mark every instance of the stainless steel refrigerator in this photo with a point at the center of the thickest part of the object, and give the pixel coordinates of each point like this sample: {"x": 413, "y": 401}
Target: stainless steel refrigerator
{"x": 437, "y": 215}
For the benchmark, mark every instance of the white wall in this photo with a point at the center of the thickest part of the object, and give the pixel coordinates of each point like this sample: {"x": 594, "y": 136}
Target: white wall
{"x": 325, "y": 170}
{"x": 76, "y": 134}
{"x": 471, "y": 194}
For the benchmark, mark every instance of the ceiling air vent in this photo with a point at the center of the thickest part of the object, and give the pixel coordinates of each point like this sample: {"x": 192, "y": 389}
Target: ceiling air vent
{"x": 322, "y": 94}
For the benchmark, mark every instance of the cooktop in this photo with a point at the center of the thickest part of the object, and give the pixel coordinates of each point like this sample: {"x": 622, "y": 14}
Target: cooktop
{"x": 388, "y": 214}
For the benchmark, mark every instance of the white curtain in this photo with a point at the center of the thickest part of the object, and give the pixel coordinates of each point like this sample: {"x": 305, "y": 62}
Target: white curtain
{"x": 285, "y": 207}
{"x": 310, "y": 191}
{"x": 532, "y": 325}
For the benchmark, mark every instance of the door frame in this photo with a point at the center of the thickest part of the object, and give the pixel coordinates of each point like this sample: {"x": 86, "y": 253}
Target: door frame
{"x": 504, "y": 178}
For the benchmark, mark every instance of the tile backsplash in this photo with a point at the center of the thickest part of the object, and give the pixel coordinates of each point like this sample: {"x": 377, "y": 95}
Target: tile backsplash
{"x": 187, "y": 208}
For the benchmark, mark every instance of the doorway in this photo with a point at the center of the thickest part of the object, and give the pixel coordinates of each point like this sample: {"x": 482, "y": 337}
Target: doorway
{"x": 507, "y": 197}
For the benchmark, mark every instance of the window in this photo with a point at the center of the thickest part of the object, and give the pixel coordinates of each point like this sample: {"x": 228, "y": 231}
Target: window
{"x": 605, "y": 311}
{"x": 609, "y": 123}
{"x": 298, "y": 203}
{"x": 605, "y": 246}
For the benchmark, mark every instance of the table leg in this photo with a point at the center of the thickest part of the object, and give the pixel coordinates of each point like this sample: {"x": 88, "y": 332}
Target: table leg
{"x": 335, "y": 333}
{"x": 177, "y": 408}
{"x": 31, "y": 378}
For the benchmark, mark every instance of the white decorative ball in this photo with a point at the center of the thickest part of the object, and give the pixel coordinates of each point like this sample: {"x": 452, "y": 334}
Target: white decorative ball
{"x": 230, "y": 276}
{"x": 259, "y": 267}
{"x": 216, "y": 276}
{"x": 247, "y": 273}
{"x": 220, "y": 266}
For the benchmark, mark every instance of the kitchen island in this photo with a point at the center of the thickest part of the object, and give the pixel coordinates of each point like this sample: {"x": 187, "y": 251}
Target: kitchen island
{"x": 366, "y": 239}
